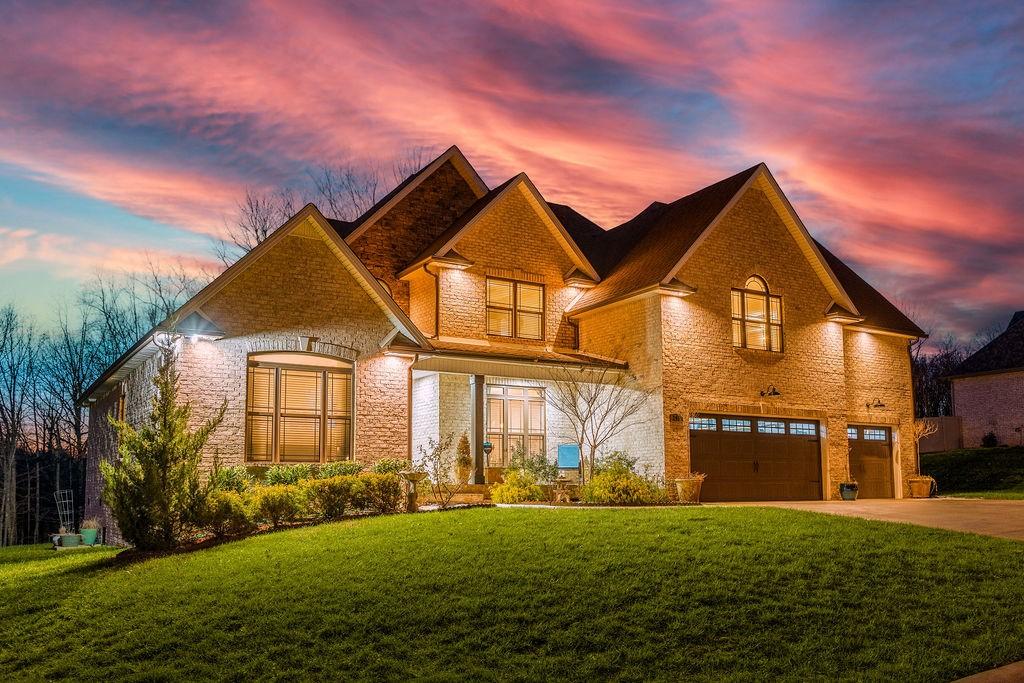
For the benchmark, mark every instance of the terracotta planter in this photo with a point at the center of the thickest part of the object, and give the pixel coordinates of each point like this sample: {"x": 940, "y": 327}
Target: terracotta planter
{"x": 688, "y": 490}
{"x": 920, "y": 488}
{"x": 463, "y": 474}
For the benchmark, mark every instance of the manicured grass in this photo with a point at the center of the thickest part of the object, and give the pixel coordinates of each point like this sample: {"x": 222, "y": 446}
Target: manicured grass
{"x": 520, "y": 594}
{"x": 978, "y": 472}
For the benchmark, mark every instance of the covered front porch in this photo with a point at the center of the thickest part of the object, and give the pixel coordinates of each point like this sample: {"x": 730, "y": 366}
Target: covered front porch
{"x": 504, "y": 404}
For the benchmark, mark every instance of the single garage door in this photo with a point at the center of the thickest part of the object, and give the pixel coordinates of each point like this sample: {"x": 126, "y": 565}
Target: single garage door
{"x": 748, "y": 458}
{"x": 871, "y": 460}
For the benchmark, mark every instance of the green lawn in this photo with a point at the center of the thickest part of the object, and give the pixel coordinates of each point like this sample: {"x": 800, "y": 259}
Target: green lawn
{"x": 520, "y": 594}
{"x": 978, "y": 472}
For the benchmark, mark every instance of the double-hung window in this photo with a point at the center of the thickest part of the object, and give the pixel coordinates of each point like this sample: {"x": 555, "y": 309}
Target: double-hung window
{"x": 298, "y": 409}
{"x": 515, "y": 309}
{"x": 756, "y": 317}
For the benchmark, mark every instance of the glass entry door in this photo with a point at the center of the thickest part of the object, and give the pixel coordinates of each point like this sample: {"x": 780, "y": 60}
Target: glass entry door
{"x": 515, "y": 420}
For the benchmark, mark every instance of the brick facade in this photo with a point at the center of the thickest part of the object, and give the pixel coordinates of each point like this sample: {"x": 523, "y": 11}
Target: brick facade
{"x": 990, "y": 403}
{"x": 678, "y": 348}
{"x": 387, "y": 246}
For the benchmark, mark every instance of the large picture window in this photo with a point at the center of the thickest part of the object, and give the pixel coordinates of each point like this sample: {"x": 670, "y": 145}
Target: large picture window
{"x": 298, "y": 409}
{"x": 515, "y": 420}
{"x": 756, "y": 317}
{"x": 515, "y": 309}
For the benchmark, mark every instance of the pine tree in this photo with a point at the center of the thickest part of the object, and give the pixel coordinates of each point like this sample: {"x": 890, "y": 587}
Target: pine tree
{"x": 154, "y": 489}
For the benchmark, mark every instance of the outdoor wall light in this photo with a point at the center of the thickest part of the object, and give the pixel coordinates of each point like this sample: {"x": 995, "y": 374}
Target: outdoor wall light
{"x": 874, "y": 404}
{"x": 770, "y": 391}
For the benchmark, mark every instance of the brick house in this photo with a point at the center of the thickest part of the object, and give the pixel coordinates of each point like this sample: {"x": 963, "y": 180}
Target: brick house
{"x": 768, "y": 362}
{"x": 988, "y": 389}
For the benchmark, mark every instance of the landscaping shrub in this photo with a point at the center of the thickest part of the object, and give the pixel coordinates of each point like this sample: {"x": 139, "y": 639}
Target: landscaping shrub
{"x": 154, "y": 489}
{"x": 390, "y": 466}
{"x": 338, "y": 468}
{"x": 328, "y": 498}
{"x": 518, "y": 486}
{"x": 227, "y": 513}
{"x": 537, "y": 466}
{"x": 382, "y": 492}
{"x": 989, "y": 440}
{"x": 279, "y": 504}
{"x": 616, "y": 482}
{"x": 287, "y": 474}
{"x": 237, "y": 478}
{"x": 976, "y": 469}
{"x": 621, "y": 486}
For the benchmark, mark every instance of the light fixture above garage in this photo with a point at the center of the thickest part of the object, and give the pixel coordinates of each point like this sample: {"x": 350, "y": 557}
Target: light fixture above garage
{"x": 770, "y": 392}
{"x": 874, "y": 404}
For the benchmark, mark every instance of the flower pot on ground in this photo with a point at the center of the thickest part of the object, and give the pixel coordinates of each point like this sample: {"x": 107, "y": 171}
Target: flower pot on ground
{"x": 688, "y": 488}
{"x": 89, "y": 531}
{"x": 849, "y": 490}
{"x": 921, "y": 487}
{"x": 70, "y": 540}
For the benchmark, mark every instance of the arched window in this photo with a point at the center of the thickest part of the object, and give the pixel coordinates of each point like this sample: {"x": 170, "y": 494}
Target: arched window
{"x": 756, "y": 316}
{"x": 298, "y": 408}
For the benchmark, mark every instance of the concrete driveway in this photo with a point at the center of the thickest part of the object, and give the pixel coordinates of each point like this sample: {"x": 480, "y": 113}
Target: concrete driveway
{"x": 1000, "y": 518}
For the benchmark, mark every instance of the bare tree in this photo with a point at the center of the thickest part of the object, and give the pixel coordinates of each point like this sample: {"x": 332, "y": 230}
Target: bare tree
{"x": 18, "y": 355}
{"x": 923, "y": 429}
{"x": 599, "y": 404}
{"x": 438, "y": 461}
{"x": 343, "y": 190}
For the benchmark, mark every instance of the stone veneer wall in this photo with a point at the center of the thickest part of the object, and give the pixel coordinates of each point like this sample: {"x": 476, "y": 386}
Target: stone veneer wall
{"x": 990, "y": 403}
{"x": 391, "y": 244}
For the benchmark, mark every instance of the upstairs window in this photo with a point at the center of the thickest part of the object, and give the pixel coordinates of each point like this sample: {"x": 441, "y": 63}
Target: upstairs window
{"x": 298, "y": 409}
{"x": 515, "y": 309}
{"x": 756, "y": 317}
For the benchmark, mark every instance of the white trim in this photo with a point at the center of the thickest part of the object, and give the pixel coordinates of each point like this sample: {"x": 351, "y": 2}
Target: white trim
{"x": 762, "y": 176}
{"x": 461, "y": 164}
{"x": 878, "y": 330}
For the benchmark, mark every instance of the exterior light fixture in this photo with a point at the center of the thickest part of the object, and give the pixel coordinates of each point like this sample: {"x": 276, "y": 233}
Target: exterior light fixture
{"x": 874, "y": 404}
{"x": 196, "y": 326}
{"x": 771, "y": 391}
{"x": 452, "y": 259}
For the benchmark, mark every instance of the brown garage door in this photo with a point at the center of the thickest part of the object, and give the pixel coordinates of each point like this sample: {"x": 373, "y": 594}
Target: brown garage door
{"x": 871, "y": 460}
{"x": 750, "y": 458}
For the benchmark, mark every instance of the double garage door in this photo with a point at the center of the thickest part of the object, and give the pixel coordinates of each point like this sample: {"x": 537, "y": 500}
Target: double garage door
{"x": 751, "y": 458}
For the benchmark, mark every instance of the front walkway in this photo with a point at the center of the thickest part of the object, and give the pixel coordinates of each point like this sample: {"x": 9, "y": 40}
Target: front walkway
{"x": 1000, "y": 518}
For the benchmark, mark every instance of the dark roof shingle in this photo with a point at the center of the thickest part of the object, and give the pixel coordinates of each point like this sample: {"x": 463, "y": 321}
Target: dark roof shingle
{"x": 1005, "y": 352}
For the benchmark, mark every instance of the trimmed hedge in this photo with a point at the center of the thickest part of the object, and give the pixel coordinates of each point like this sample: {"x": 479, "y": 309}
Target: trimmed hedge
{"x": 976, "y": 469}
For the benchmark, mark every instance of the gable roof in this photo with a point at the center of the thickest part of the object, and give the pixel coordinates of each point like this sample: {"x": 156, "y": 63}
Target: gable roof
{"x": 657, "y": 242}
{"x": 190, "y": 313}
{"x": 446, "y": 241}
{"x": 352, "y": 230}
{"x": 1005, "y": 352}
{"x": 876, "y": 311}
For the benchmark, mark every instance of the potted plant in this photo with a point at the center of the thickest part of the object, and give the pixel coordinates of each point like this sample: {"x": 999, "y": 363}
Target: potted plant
{"x": 68, "y": 540}
{"x": 921, "y": 486}
{"x": 463, "y": 460}
{"x": 849, "y": 489}
{"x": 89, "y": 530}
{"x": 688, "y": 487}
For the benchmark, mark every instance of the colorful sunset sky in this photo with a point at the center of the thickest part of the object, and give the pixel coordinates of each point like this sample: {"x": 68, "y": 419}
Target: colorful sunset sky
{"x": 896, "y": 128}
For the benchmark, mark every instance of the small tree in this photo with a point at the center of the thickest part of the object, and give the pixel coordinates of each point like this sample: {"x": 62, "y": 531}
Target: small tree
{"x": 599, "y": 404}
{"x": 438, "y": 461}
{"x": 923, "y": 429}
{"x": 154, "y": 489}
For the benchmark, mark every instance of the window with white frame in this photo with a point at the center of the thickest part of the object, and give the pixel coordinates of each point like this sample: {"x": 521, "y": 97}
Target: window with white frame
{"x": 515, "y": 420}
{"x": 874, "y": 434}
{"x": 730, "y": 425}
{"x": 703, "y": 424}
{"x": 299, "y": 408}
{"x": 756, "y": 316}
{"x": 515, "y": 309}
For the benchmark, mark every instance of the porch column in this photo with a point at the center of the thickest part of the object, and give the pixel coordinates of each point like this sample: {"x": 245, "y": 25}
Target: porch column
{"x": 476, "y": 426}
